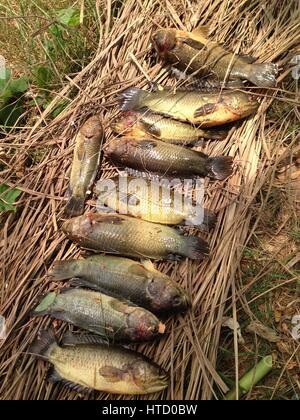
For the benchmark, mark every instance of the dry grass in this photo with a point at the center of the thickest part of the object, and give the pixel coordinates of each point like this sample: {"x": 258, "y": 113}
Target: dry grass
{"x": 31, "y": 240}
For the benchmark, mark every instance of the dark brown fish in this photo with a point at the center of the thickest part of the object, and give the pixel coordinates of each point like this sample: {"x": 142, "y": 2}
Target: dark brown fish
{"x": 193, "y": 53}
{"x": 167, "y": 159}
{"x": 86, "y": 159}
{"x": 119, "y": 234}
{"x": 137, "y": 282}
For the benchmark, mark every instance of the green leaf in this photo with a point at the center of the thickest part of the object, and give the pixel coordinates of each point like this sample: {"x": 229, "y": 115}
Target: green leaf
{"x": 10, "y": 113}
{"x": 69, "y": 16}
{"x": 8, "y": 198}
{"x": 42, "y": 76}
{"x": 19, "y": 85}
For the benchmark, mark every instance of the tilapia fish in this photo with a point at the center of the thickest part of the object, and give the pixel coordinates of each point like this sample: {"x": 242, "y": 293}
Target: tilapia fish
{"x": 101, "y": 314}
{"x": 138, "y": 282}
{"x": 150, "y": 125}
{"x": 195, "y": 107}
{"x": 152, "y": 201}
{"x": 86, "y": 363}
{"x": 119, "y": 234}
{"x": 85, "y": 164}
{"x": 166, "y": 159}
{"x": 193, "y": 52}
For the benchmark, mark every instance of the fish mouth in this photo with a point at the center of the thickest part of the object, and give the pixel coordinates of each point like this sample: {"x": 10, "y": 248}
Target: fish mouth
{"x": 158, "y": 384}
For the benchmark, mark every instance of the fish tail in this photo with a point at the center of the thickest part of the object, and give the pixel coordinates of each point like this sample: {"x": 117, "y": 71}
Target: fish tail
{"x": 132, "y": 98}
{"x": 75, "y": 206}
{"x": 263, "y": 75}
{"x": 219, "y": 167}
{"x": 205, "y": 220}
{"x": 196, "y": 248}
{"x": 209, "y": 219}
{"x": 45, "y": 306}
{"x": 215, "y": 134}
{"x": 41, "y": 346}
{"x": 62, "y": 270}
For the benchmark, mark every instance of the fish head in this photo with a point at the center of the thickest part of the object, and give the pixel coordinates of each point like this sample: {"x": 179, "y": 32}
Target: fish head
{"x": 118, "y": 148}
{"x": 242, "y": 104}
{"x": 126, "y": 121}
{"x": 164, "y": 40}
{"x": 148, "y": 376}
{"x": 78, "y": 227}
{"x": 143, "y": 325}
{"x": 166, "y": 295}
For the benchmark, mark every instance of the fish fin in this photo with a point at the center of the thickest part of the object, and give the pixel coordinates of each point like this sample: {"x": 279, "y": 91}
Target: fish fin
{"x": 54, "y": 377}
{"x": 202, "y": 30}
{"x": 249, "y": 59}
{"x": 192, "y": 42}
{"x": 137, "y": 269}
{"x": 80, "y": 147}
{"x": 42, "y": 344}
{"x": 122, "y": 305}
{"x": 148, "y": 264}
{"x": 205, "y": 110}
{"x": 107, "y": 218}
{"x": 216, "y": 134}
{"x": 219, "y": 167}
{"x": 151, "y": 129}
{"x": 61, "y": 270}
{"x": 196, "y": 248}
{"x": 79, "y": 282}
{"x": 205, "y": 221}
{"x": 263, "y": 75}
{"x": 203, "y": 155}
{"x": 132, "y": 98}
{"x": 44, "y": 307}
{"x": 209, "y": 219}
{"x": 147, "y": 144}
{"x": 70, "y": 339}
{"x": 75, "y": 206}
{"x": 112, "y": 374}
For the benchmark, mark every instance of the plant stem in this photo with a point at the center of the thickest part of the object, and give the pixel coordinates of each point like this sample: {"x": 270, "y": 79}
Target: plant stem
{"x": 252, "y": 378}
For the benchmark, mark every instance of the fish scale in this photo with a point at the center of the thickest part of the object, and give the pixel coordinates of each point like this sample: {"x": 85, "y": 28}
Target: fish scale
{"x": 101, "y": 314}
{"x": 125, "y": 235}
{"x": 85, "y": 363}
{"x": 138, "y": 282}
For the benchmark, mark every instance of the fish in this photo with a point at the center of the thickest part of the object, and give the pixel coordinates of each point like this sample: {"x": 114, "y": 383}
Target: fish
{"x": 111, "y": 318}
{"x": 86, "y": 363}
{"x": 152, "y": 201}
{"x": 130, "y": 237}
{"x": 193, "y": 53}
{"x": 167, "y": 159}
{"x": 137, "y": 282}
{"x": 208, "y": 109}
{"x": 85, "y": 164}
{"x": 138, "y": 124}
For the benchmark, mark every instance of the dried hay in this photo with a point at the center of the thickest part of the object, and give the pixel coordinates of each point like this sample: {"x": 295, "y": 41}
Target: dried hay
{"x": 32, "y": 240}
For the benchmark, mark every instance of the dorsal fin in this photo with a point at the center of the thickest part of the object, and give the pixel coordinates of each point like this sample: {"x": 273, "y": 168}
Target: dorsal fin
{"x": 70, "y": 339}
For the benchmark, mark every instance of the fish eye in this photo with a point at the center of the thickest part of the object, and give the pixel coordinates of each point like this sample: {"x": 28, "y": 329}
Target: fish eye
{"x": 177, "y": 301}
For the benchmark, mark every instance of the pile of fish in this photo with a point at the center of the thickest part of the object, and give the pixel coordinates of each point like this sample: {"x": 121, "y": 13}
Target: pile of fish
{"x": 118, "y": 299}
